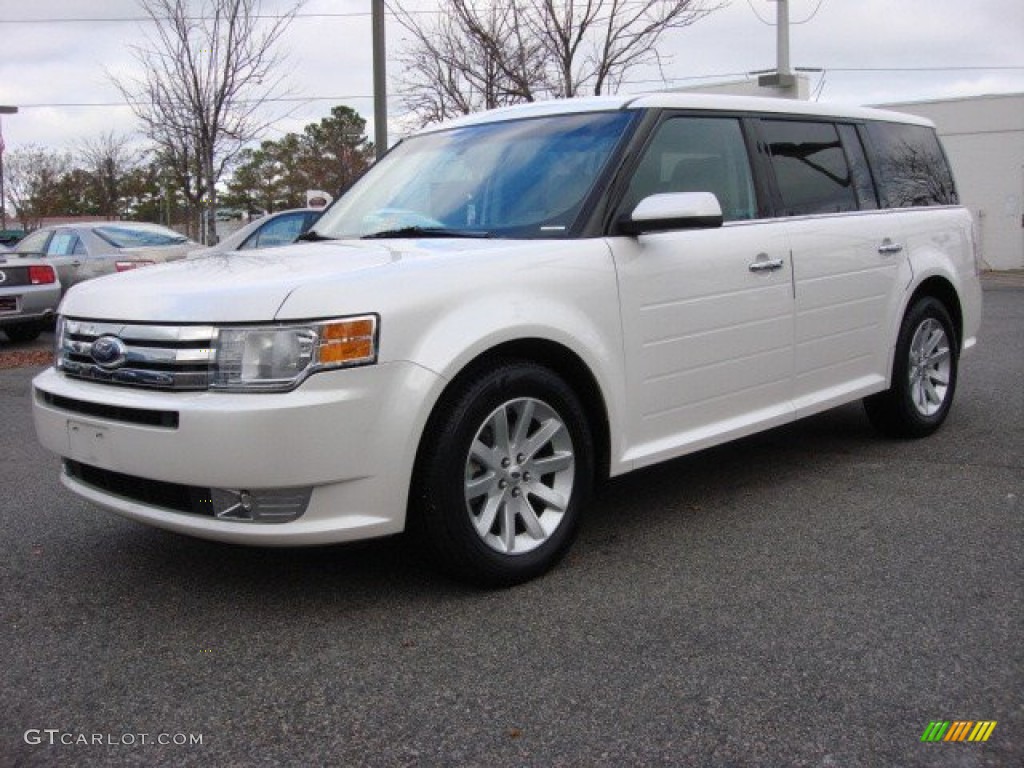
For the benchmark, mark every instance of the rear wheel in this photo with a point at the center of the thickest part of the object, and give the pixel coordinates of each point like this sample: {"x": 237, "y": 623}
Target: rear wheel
{"x": 506, "y": 464}
{"x": 923, "y": 377}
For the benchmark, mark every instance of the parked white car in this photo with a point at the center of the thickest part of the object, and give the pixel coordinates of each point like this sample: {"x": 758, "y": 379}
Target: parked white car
{"x": 510, "y": 306}
{"x": 270, "y": 231}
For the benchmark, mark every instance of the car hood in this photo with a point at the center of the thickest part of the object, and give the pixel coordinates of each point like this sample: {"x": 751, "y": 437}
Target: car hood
{"x": 306, "y": 280}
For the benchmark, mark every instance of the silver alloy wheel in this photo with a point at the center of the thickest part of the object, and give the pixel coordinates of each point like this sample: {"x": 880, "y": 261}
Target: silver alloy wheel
{"x": 929, "y": 367}
{"x": 519, "y": 476}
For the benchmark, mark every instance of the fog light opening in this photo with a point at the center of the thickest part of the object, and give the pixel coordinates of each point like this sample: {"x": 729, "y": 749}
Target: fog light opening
{"x": 275, "y": 505}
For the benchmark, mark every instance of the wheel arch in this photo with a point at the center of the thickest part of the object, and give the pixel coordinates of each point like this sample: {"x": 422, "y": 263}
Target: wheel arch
{"x": 940, "y": 288}
{"x": 552, "y": 355}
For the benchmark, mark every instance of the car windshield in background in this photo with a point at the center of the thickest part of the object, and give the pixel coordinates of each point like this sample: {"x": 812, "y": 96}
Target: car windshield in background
{"x": 521, "y": 178}
{"x": 136, "y": 236}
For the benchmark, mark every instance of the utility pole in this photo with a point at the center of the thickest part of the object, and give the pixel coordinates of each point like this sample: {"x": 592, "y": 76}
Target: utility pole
{"x": 380, "y": 98}
{"x": 3, "y": 196}
{"x": 782, "y": 68}
{"x": 783, "y": 76}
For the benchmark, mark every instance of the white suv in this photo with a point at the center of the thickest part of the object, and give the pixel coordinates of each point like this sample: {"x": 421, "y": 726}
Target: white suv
{"x": 511, "y": 306}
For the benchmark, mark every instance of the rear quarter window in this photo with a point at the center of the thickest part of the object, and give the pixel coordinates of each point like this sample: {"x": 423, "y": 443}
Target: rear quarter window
{"x": 910, "y": 166}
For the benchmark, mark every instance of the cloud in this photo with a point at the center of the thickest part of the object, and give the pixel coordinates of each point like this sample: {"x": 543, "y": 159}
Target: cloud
{"x": 330, "y": 56}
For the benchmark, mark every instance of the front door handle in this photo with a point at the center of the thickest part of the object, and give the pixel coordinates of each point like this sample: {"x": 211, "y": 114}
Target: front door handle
{"x": 764, "y": 264}
{"x": 888, "y": 247}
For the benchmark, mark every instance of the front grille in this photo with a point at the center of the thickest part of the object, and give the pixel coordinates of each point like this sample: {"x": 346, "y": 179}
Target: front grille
{"x": 155, "y": 356}
{"x": 144, "y": 416}
{"x": 155, "y": 493}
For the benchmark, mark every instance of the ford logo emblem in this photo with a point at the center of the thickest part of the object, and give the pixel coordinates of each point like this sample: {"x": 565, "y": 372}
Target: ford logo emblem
{"x": 108, "y": 352}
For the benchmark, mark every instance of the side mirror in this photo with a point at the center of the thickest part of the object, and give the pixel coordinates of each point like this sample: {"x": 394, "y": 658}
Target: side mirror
{"x": 673, "y": 210}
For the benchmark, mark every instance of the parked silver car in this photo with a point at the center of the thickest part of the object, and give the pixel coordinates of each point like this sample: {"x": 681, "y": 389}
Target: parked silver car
{"x": 281, "y": 228}
{"x": 29, "y": 295}
{"x": 87, "y": 250}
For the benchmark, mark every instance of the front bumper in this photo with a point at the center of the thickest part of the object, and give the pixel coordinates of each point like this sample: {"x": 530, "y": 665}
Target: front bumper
{"x": 348, "y": 436}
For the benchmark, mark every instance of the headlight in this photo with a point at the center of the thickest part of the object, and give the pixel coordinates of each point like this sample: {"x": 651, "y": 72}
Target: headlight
{"x": 278, "y": 358}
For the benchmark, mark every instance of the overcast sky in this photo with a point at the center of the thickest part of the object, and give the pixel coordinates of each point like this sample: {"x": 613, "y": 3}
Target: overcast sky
{"x": 871, "y": 51}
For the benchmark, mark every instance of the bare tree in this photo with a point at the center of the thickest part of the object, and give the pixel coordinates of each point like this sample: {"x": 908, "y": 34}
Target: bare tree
{"x": 477, "y": 55}
{"x": 33, "y": 183}
{"x": 206, "y": 80}
{"x": 109, "y": 159}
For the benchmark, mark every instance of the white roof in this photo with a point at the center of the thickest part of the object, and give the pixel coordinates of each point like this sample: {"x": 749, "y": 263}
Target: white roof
{"x": 676, "y": 100}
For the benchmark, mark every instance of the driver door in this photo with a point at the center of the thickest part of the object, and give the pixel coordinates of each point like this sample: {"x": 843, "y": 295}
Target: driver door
{"x": 707, "y": 314}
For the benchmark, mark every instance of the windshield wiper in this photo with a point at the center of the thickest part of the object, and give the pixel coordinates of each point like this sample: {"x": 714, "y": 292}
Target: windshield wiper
{"x": 312, "y": 237}
{"x": 426, "y": 232}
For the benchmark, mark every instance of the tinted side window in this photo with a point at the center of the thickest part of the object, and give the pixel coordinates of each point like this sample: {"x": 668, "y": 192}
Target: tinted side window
{"x": 697, "y": 154}
{"x": 810, "y": 167}
{"x": 910, "y": 165}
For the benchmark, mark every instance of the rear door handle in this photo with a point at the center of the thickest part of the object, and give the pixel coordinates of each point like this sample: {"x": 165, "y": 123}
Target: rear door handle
{"x": 764, "y": 264}
{"x": 889, "y": 247}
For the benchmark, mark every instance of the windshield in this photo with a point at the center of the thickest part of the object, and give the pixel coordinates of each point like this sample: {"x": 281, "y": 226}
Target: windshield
{"x": 522, "y": 178}
{"x": 138, "y": 235}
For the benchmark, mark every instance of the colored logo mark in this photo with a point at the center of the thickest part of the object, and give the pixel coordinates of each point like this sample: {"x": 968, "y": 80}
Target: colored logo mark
{"x": 958, "y": 730}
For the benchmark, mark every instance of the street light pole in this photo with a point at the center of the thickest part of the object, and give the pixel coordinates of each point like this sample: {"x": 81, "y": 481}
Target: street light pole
{"x": 380, "y": 103}
{"x": 3, "y": 196}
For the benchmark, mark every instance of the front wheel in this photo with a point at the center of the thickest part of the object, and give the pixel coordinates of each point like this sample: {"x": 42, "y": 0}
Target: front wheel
{"x": 505, "y": 466}
{"x": 923, "y": 377}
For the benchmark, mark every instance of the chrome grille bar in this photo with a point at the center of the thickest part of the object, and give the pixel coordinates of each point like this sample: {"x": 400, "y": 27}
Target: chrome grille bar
{"x": 176, "y": 357}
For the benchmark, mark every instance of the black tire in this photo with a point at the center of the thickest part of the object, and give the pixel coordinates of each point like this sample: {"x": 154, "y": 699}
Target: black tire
{"x": 23, "y": 332}
{"x": 923, "y": 380}
{"x": 455, "y": 491}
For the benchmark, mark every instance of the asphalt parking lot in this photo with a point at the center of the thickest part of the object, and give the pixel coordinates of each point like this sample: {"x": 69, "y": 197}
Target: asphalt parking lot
{"x": 813, "y": 596}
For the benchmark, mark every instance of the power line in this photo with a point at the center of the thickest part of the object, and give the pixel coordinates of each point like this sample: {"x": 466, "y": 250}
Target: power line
{"x": 275, "y": 16}
{"x": 650, "y": 81}
{"x": 813, "y": 14}
{"x": 125, "y": 19}
{"x": 923, "y": 69}
{"x": 278, "y": 99}
{"x": 769, "y": 23}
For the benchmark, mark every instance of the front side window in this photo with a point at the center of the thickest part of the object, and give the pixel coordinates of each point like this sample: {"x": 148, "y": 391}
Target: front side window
{"x": 810, "y": 167}
{"x": 526, "y": 178}
{"x": 697, "y": 154}
{"x": 911, "y": 167}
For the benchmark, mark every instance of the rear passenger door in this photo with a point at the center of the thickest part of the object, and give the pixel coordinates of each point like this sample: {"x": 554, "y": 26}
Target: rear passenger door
{"x": 707, "y": 313}
{"x": 74, "y": 263}
{"x": 849, "y": 261}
